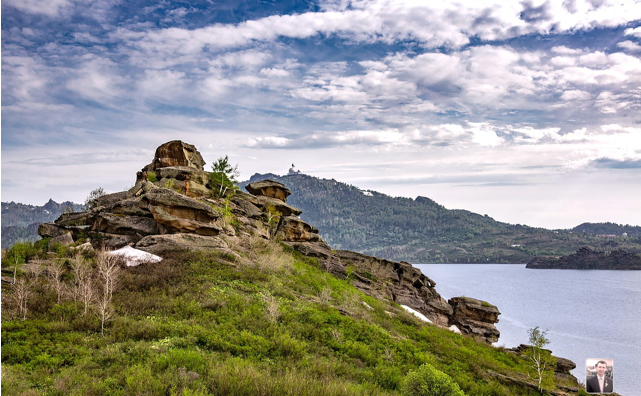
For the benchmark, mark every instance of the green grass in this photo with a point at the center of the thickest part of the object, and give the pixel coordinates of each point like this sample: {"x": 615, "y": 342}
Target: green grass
{"x": 272, "y": 323}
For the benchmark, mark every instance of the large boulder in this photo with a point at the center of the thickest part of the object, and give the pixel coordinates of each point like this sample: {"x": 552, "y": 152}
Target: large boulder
{"x": 177, "y": 153}
{"x": 293, "y": 229}
{"x": 161, "y": 244}
{"x": 269, "y": 188}
{"x": 64, "y": 240}
{"x": 50, "y": 230}
{"x": 75, "y": 219}
{"x": 173, "y": 220}
{"x": 180, "y": 205}
{"x": 284, "y": 209}
{"x": 190, "y": 181}
{"x": 107, "y": 241}
{"x": 120, "y": 224}
{"x": 131, "y": 207}
{"x": 109, "y": 200}
{"x": 246, "y": 205}
{"x": 475, "y": 317}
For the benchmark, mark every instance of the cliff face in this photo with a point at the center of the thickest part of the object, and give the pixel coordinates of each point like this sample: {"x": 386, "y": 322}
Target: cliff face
{"x": 170, "y": 208}
{"x": 586, "y": 258}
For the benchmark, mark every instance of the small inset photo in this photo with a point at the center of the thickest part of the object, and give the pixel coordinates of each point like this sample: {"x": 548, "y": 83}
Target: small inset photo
{"x": 599, "y": 375}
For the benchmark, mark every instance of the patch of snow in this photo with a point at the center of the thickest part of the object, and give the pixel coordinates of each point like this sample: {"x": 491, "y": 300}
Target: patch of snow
{"x": 367, "y": 193}
{"x": 135, "y": 257}
{"x": 416, "y": 313}
{"x": 455, "y": 329}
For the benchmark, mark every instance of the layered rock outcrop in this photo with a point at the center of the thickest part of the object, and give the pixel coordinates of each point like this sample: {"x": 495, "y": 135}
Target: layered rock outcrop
{"x": 473, "y": 316}
{"x": 171, "y": 208}
{"x": 586, "y": 258}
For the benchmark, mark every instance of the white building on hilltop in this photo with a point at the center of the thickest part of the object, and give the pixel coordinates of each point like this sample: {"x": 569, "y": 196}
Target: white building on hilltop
{"x": 293, "y": 171}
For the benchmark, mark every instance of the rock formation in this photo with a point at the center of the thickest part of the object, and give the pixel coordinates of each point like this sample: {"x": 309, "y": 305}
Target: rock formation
{"x": 586, "y": 258}
{"x": 474, "y": 316}
{"x": 171, "y": 208}
{"x": 269, "y": 188}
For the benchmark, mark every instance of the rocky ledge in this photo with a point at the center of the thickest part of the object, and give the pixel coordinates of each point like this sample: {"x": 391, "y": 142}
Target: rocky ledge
{"x": 171, "y": 208}
{"x": 586, "y": 258}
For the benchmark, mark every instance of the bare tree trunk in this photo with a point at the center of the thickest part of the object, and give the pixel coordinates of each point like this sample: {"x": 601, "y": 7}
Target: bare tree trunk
{"x": 21, "y": 294}
{"x": 84, "y": 286}
{"x": 109, "y": 272}
{"x": 55, "y": 270}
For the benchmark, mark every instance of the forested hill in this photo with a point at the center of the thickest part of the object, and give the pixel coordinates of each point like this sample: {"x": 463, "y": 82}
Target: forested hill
{"x": 608, "y": 229}
{"x": 422, "y": 231}
{"x": 20, "y": 221}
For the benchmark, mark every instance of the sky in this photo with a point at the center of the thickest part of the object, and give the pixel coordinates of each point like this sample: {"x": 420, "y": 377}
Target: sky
{"x": 527, "y": 111}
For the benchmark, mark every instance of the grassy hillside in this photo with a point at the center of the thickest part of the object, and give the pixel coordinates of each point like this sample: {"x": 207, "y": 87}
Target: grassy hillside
{"x": 422, "y": 231}
{"x": 266, "y": 322}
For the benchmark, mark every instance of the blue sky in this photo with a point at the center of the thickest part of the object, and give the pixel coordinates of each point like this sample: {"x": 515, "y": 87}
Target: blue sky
{"x": 526, "y": 111}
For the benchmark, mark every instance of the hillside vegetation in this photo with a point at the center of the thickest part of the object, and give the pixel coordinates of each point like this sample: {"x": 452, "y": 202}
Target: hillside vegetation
{"x": 422, "y": 231}
{"x": 265, "y": 322}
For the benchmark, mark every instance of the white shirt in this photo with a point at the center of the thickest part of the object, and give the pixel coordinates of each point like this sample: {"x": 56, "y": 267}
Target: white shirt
{"x": 601, "y": 379}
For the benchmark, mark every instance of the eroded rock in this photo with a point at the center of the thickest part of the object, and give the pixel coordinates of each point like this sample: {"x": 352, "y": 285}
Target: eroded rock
{"x": 50, "y": 230}
{"x": 161, "y": 244}
{"x": 269, "y": 188}
{"x": 293, "y": 229}
{"x": 172, "y": 220}
{"x": 177, "y": 153}
{"x": 64, "y": 240}
{"x": 475, "y": 317}
{"x": 280, "y": 206}
{"x": 121, "y": 224}
{"x": 399, "y": 282}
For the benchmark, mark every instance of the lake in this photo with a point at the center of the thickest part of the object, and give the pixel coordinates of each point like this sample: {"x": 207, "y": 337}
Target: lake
{"x": 588, "y": 314}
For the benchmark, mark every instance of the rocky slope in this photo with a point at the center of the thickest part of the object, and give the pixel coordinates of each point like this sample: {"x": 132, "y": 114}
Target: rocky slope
{"x": 170, "y": 208}
{"x": 586, "y": 258}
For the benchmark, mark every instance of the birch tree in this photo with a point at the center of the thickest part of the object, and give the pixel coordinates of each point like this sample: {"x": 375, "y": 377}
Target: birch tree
{"x": 108, "y": 273}
{"x": 84, "y": 286}
{"x": 542, "y": 362}
{"x": 55, "y": 270}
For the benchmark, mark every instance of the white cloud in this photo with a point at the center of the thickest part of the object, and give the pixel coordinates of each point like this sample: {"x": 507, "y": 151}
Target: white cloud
{"x": 563, "y": 50}
{"x": 576, "y": 94}
{"x": 98, "y": 79}
{"x": 636, "y": 32}
{"x": 432, "y": 24}
{"x": 629, "y": 45}
{"x": 274, "y": 72}
{"x": 269, "y": 141}
{"x": 484, "y": 135}
{"x": 49, "y": 8}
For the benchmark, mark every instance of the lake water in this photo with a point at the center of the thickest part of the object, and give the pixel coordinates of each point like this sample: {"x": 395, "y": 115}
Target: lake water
{"x": 588, "y": 314}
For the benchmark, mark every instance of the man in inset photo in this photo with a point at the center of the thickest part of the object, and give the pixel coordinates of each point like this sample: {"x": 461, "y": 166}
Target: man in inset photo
{"x": 598, "y": 377}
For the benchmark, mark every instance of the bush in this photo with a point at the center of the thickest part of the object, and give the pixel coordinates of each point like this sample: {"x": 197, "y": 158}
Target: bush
{"x": 428, "y": 381}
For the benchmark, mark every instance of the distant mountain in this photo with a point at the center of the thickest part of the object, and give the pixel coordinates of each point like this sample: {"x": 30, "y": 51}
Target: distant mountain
{"x": 608, "y": 229}
{"x": 422, "y": 231}
{"x": 20, "y": 222}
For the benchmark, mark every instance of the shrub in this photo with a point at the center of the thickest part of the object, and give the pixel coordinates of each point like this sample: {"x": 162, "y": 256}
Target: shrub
{"x": 428, "y": 381}
{"x": 151, "y": 176}
{"x": 92, "y": 198}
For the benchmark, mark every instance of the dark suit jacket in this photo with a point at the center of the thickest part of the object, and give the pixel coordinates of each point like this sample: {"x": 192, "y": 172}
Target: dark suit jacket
{"x": 592, "y": 385}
